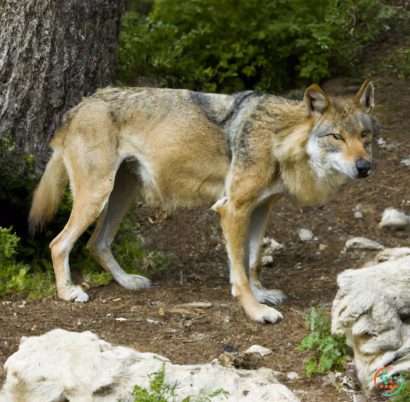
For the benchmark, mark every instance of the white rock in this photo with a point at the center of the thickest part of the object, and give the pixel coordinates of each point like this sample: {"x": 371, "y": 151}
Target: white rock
{"x": 358, "y": 215}
{"x": 322, "y": 247}
{"x": 259, "y": 349}
{"x": 305, "y": 234}
{"x": 271, "y": 245}
{"x": 80, "y": 367}
{"x": 374, "y": 301}
{"x": 381, "y": 141}
{"x": 390, "y": 254}
{"x": 405, "y": 162}
{"x": 358, "y": 211}
{"x": 363, "y": 244}
{"x": 266, "y": 260}
{"x": 292, "y": 375}
{"x": 394, "y": 219}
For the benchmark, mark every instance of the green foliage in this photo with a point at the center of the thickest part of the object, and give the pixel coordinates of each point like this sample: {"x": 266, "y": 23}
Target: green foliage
{"x": 227, "y": 45}
{"x": 404, "y": 394}
{"x": 401, "y": 60}
{"x": 330, "y": 349}
{"x": 160, "y": 392}
{"x": 17, "y": 277}
{"x": 133, "y": 257}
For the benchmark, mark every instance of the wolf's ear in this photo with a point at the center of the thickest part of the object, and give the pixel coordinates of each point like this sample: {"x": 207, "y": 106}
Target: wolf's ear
{"x": 365, "y": 97}
{"x": 316, "y": 100}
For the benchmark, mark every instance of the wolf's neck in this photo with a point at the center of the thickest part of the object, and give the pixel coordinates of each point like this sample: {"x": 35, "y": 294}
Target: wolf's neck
{"x": 306, "y": 180}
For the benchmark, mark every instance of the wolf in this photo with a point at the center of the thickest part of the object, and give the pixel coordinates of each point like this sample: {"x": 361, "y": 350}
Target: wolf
{"x": 179, "y": 148}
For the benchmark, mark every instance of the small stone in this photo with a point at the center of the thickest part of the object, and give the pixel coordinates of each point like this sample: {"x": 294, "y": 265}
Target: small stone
{"x": 259, "y": 349}
{"x": 322, "y": 247}
{"x": 394, "y": 219}
{"x": 252, "y": 361}
{"x": 389, "y": 254}
{"x": 381, "y": 141}
{"x": 266, "y": 260}
{"x": 292, "y": 375}
{"x": 198, "y": 337}
{"x": 121, "y": 319}
{"x": 225, "y": 360}
{"x": 232, "y": 349}
{"x": 405, "y": 162}
{"x": 358, "y": 211}
{"x": 199, "y": 305}
{"x": 305, "y": 234}
{"x": 363, "y": 244}
{"x": 154, "y": 322}
{"x": 271, "y": 245}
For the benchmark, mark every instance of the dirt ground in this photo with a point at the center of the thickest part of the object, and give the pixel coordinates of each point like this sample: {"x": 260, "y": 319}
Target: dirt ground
{"x": 199, "y": 269}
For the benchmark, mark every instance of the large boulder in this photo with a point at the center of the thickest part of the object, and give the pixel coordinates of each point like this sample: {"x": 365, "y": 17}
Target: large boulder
{"x": 372, "y": 308}
{"x": 80, "y": 367}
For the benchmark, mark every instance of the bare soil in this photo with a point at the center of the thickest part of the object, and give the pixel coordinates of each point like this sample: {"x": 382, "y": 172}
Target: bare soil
{"x": 199, "y": 269}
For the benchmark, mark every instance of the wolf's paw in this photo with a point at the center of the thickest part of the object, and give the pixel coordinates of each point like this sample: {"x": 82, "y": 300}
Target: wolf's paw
{"x": 73, "y": 293}
{"x": 271, "y": 297}
{"x": 265, "y": 314}
{"x": 135, "y": 282}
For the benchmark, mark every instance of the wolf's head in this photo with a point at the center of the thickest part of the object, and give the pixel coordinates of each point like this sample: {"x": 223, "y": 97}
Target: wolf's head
{"x": 342, "y": 133}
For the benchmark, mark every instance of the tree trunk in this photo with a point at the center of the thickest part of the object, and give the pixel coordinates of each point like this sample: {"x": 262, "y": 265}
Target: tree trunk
{"x": 52, "y": 52}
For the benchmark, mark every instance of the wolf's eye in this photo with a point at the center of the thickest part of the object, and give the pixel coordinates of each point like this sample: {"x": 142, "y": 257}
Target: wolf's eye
{"x": 337, "y": 136}
{"x": 363, "y": 134}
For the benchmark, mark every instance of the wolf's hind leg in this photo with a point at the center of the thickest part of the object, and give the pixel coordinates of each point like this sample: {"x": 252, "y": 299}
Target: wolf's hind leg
{"x": 122, "y": 198}
{"x": 257, "y": 227}
{"x": 88, "y": 204}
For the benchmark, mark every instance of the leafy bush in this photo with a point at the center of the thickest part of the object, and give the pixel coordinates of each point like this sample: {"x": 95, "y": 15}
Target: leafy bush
{"x": 159, "y": 392}
{"x": 16, "y": 277}
{"x": 267, "y": 45}
{"x": 330, "y": 349}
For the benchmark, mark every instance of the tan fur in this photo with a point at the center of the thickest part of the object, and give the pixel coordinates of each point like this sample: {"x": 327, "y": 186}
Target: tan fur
{"x": 179, "y": 148}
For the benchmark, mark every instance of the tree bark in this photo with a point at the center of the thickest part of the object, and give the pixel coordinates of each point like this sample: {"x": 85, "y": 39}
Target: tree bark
{"x": 52, "y": 52}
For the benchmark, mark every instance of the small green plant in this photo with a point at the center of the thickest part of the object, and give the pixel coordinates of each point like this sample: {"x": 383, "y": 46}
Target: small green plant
{"x": 17, "y": 277}
{"x": 160, "y": 392}
{"x": 404, "y": 394}
{"x": 133, "y": 256}
{"x": 330, "y": 349}
{"x": 403, "y": 63}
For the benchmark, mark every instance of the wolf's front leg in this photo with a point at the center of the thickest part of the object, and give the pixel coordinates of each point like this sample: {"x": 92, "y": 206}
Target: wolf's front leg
{"x": 235, "y": 223}
{"x": 257, "y": 227}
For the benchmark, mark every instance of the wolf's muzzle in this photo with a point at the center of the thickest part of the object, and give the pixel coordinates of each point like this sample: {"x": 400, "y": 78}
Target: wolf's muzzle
{"x": 363, "y": 167}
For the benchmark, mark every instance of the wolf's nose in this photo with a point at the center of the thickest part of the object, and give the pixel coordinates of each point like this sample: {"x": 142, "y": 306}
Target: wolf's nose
{"x": 363, "y": 167}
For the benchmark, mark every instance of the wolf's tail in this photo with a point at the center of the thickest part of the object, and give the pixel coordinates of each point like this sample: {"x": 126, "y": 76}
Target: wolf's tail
{"x": 49, "y": 192}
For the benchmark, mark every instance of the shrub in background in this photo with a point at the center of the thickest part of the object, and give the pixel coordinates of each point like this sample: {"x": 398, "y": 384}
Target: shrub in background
{"x": 267, "y": 45}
